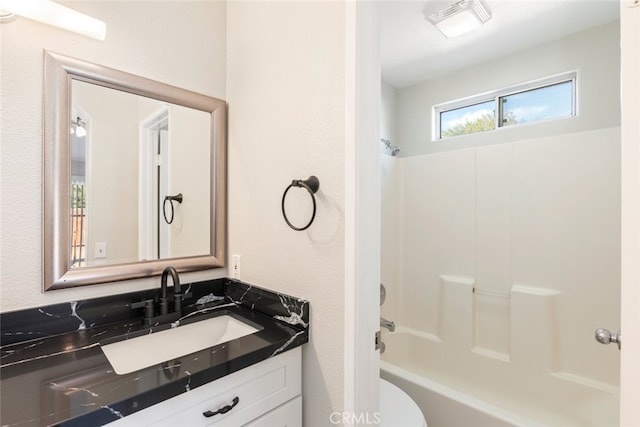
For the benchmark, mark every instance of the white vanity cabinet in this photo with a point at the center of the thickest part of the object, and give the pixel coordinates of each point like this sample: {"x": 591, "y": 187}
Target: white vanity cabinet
{"x": 268, "y": 395}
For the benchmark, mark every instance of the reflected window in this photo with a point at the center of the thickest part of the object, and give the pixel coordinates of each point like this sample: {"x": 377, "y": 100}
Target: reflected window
{"x": 78, "y": 192}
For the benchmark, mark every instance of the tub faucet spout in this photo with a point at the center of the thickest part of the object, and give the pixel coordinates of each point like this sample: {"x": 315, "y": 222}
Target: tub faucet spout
{"x": 387, "y": 324}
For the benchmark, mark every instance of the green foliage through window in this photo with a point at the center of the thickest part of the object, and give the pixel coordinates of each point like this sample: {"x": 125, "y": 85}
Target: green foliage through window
{"x": 549, "y": 98}
{"x": 480, "y": 124}
{"x": 78, "y": 196}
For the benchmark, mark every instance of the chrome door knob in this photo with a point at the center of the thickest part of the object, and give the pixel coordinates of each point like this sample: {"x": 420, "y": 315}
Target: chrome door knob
{"x": 603, "y": 336}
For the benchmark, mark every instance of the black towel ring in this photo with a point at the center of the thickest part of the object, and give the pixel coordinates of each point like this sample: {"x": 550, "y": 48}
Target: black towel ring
{"x": 311, "y": 184}
{"x": 170, "y": 199}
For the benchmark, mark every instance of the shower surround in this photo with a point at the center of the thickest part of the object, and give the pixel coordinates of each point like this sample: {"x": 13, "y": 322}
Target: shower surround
{"x": 506, "y": 256}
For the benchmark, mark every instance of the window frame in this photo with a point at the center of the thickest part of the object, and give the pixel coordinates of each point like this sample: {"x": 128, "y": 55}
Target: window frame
{"x": 497, "y": 95}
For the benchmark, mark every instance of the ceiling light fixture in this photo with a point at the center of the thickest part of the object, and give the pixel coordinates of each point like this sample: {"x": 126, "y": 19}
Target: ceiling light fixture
{"x": 51, "y": 13}
{"x": 459, "y": 18}
{"x": 81, "y": 127}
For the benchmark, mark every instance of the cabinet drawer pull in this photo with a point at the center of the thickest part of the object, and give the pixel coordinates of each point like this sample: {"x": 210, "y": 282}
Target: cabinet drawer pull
{"x": 224, "y": 409}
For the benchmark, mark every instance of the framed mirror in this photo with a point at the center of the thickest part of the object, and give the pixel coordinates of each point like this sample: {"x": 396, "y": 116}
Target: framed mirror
{"x": 134, "y": 176}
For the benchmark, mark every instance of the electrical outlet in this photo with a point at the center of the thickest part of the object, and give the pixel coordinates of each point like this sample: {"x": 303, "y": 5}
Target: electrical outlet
{"x": 236, "y": 266}
{"x": 100, "y": 250}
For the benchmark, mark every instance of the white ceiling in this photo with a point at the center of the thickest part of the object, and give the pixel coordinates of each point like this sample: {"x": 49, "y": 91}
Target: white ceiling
{"x": 412, "y": 50}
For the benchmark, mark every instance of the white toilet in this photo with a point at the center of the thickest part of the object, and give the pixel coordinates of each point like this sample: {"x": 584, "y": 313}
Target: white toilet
{"x": 397, "y": 409}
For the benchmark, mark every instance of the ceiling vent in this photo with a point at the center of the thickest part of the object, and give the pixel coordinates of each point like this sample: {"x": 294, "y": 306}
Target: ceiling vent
{"x": 460, "y": 18}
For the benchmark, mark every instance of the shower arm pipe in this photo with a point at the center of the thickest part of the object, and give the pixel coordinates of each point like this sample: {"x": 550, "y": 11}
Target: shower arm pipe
{"x": 387, "y": 143}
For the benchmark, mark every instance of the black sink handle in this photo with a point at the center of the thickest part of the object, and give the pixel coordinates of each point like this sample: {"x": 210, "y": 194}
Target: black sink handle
{"x": 147, "y": 305}
{"x": 224, "y": 409}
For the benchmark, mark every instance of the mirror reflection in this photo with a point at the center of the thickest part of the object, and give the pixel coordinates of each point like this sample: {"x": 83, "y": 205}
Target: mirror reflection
{"x": 134, "y": 176}
{"x": 130, "y": 157}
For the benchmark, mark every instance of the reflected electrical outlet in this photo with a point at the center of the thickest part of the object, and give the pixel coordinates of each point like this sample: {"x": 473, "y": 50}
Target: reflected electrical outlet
{"x": 101, "y": 250}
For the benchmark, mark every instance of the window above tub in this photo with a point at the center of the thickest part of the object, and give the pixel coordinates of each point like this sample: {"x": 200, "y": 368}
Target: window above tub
{"x": 550, "y": 98}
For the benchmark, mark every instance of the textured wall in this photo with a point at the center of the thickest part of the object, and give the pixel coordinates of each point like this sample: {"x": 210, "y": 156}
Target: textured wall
{"x": 180, "y": 43}
{"x": 286, "y": 92}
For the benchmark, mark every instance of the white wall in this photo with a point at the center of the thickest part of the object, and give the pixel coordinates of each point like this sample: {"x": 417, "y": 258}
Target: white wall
{"x": 391, "y": 190}
{"x": 595, "y": 54}
{"x": 388, "y": 112}
{"x": 630, "y": 372}
{"x": 287, "y": 120}
{"x": 180, "y": 43}
{"x": 189, "y": 163}
{"x": 113, "y": 156}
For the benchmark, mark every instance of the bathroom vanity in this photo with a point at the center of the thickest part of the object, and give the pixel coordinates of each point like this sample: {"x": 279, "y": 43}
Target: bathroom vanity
{"x": 55, "y": 372}
{"x": 265, "y": 394}
{"x": 217, "y": 352}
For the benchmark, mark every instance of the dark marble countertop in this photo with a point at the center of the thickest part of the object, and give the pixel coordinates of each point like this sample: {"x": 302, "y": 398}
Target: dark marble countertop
{"x": 49, "y": 376}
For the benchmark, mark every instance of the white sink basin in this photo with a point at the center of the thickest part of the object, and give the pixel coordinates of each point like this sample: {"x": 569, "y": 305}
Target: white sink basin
{"x": 137, "y": 353}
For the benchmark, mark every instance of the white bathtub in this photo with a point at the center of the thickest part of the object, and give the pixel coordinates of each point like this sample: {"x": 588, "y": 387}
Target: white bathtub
{"x": 457, "y": 388}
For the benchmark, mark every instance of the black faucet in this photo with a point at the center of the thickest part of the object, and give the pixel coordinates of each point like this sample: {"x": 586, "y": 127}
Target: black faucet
{"x": 177, "y": 295}
{"x": 165, "y": 315}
